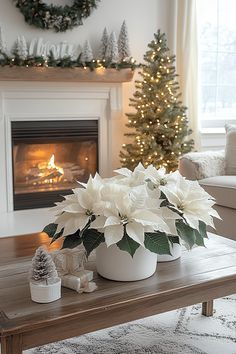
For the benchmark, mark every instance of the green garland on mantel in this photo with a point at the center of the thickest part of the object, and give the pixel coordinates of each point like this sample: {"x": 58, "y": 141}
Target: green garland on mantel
{"x": 66, "y": 62}
{"x": 59, "y": 18}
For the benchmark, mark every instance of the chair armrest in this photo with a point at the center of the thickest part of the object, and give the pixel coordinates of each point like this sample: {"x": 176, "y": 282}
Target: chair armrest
{"x": 199, "y": 165}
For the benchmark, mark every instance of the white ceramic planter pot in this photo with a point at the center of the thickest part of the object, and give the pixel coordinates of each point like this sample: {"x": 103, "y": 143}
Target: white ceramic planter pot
{"x": 176, "y": 251}
{"x": 114, "y": 264}
{"x": 43, "y": 293}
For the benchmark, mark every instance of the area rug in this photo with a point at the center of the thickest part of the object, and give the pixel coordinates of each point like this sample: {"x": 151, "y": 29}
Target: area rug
{"x": 183, "y": 331}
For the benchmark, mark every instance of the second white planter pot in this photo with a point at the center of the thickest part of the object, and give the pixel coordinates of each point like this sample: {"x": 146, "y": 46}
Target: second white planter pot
{"x": 114, "y": 264}
{"x": 176, "y": 251}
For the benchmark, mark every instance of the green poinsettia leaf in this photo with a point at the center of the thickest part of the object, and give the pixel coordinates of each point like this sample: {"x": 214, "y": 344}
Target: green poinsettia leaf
{"x": 91, "y": 239}
{"x": 173, "y": 239}
{"x": 50, "y": 229}
{"x": 57, "y": 236}
{"x": 186, "y": 233}
{"x": 157, "y": 242}
{"x": 72, "y": 241}
{"x": 201, "y": 234}
{"x": 128, "y": 244}
{"x": 192, "y": 236}
{"x": 203, "y": 229}
{"x": 199, "y": 239}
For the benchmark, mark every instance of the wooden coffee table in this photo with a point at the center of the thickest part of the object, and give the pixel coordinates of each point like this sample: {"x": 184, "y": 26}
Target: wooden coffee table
{"x": 199, "y": 276}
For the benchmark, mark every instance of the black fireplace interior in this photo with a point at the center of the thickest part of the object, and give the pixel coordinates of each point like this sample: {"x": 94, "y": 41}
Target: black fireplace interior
{"x": 49, "y": 157}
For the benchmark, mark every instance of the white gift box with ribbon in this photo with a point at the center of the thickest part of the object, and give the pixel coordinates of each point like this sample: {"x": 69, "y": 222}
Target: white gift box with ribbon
{"x": 70, "y": 267}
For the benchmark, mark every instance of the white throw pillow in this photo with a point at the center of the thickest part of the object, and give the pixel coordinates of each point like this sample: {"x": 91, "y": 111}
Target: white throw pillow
{"x": 230, "y": 149}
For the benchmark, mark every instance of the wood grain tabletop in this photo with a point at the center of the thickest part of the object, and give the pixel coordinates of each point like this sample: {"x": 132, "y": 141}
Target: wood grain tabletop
{"x": 199, "y": 275}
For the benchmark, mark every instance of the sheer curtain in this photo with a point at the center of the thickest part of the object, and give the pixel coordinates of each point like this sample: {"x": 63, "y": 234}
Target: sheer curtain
{"x": 183, "y": 42}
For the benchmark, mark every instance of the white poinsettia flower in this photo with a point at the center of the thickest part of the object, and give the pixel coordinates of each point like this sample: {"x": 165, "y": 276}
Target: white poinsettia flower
{"x": 93, "y": 182}
{"x": 192, "y": 201}
{"x": 76, "y": 211}
{"x": 170, "y": 218}
{"x": 132, "y": 179}
{"x": 110, "y": 191}
{"x": 59, "y": 206}
{"x": 159, "y": 177}
{"x": 124, "y": 215}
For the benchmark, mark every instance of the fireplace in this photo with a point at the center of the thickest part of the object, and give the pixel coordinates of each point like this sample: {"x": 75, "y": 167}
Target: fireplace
{"x": 49, "y": 157}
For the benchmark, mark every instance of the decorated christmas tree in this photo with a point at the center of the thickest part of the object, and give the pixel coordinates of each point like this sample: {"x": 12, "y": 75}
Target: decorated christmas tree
{"x": 159, "y": 125}
{"x": 43, "y": 268}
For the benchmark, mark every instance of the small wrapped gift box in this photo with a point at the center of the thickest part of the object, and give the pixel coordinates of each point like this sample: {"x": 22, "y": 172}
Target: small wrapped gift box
{"x": 69, "y": 261}
{"x": 70, "y": 267}
{"x": 79, "y": 283}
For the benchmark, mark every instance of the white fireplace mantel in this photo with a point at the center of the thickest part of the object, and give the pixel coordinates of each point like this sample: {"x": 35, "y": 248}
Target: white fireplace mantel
{"x": 27, "y": 100}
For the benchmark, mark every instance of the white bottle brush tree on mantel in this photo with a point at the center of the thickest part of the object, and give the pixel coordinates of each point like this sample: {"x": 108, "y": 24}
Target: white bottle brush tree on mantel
{"x": 112, "y": 53}
{"x": 21, "y": 50}
{"x": 45, "y": 285}
{"x": 123, "y": 43}
{"x": 103, "y": 45}
{"x": 3, "y": 45}
{"x": 87, "y": 53}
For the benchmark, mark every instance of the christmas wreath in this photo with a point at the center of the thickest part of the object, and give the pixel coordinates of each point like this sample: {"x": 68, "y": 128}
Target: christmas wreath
{"x": 59, "y": 18}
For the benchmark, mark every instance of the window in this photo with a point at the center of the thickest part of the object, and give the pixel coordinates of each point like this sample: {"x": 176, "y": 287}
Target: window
{"x": 217, "y": 60}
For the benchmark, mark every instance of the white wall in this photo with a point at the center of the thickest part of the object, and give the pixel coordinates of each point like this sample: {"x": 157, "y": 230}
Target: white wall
{"x": 143, "y": 18}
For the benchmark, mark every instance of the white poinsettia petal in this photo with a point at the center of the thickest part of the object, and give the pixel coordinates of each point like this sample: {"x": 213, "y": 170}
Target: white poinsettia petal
{"x": 98, "y": 223}
{"x": 136, "y": 232}
{"x": 85, "y": 199}
{"x": 214, "y": 213}
{"x": 149, "y": 228}
{"x": 109, "y": 192}
{"x": 82, "y": 221}
{"x": 139, "y": 168}
{"x": 82, "y": 184}
{"x": 70, "y": 198}
{"x": 138, "y": 196}
{"x": 73, "y": 208}
{"x": 73, "y": 224}
{"x": 193, "y": 223}
{"x": 145, "y": 217}
{"x": 172, "y": 227}
{"x": 69, "y": 228}
{"x": 170, "y": 195}
{"x": 169, "y": 214}
{"x": 61, "y": 220}
{"x": 113, "y": 234}
{"x": 152, "y": 173}
{"x": 124, "y": 171}
{"x": 112, "y": 220}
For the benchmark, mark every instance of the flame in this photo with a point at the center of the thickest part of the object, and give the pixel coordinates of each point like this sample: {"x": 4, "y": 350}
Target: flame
{"x": 52, "y": 165}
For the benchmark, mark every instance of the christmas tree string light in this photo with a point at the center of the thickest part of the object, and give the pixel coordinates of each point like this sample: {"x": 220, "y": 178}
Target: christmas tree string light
{"x": 159, "y": 125}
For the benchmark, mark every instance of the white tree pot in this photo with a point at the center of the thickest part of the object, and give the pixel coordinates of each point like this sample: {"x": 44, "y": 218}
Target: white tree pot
{"x": 176, "y": 251}
{"x": 43, "y": 293}
{"x": 114, "y": 264}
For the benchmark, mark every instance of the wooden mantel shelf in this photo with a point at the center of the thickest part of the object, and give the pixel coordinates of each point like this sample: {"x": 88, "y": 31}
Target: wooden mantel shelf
{"x": 101, "y": 75}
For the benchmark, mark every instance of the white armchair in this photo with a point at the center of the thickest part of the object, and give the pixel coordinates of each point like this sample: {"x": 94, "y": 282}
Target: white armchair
{"x": 209, "y": 169}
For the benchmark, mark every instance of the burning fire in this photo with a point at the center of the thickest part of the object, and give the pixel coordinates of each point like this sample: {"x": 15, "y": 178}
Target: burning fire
{"x": 46, "y": 172}
{"x": 52, "y": 166}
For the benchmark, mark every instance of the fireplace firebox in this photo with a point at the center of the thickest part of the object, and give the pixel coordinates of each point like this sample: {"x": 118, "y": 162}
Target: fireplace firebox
{"x": 49, "y": 157}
